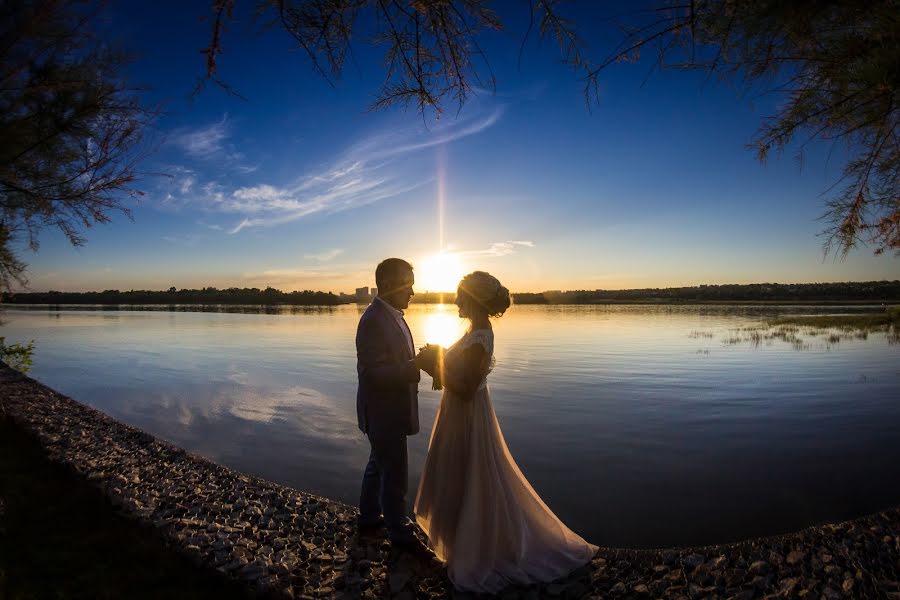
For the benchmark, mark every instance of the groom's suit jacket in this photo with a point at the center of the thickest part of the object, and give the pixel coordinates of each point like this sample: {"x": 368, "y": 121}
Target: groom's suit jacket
{"x": 387, "y": 399}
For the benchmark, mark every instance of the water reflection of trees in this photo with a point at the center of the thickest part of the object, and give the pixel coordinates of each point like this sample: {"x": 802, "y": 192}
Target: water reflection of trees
{"x": 198, "y": 299}
{"x": 249, "y": 309}
{"x": 866, "y": 291}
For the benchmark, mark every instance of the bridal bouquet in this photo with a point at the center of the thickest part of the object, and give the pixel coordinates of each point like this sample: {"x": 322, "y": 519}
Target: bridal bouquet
{"x": 431, "y": 359}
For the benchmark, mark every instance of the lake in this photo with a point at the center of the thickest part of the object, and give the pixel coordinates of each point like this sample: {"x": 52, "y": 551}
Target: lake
{"x": 640, "y": 426}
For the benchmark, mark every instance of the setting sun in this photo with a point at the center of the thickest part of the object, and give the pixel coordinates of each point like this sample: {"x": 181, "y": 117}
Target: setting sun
{"x": 439, "y": 273}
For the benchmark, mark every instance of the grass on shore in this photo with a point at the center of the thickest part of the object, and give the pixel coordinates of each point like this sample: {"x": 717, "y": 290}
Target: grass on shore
{"x": 823, "y": 331}
{"x": 60, "y": 538}
{"x": 871, "y": 322}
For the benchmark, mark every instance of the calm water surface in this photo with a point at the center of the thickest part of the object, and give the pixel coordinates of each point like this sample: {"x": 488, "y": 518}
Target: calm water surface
{"x": 635, "y": 426}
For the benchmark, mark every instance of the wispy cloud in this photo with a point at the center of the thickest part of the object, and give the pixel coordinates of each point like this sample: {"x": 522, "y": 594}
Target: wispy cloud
{"x": 324, "y": 256}
{"x": 276, "y": 206}
{"x": 499, "y": 248}
{"x": 202, "y": 142}
{"x": 371, "y": 170}
{"x": 392, "y": 144}
{"x": 187, "y": 184}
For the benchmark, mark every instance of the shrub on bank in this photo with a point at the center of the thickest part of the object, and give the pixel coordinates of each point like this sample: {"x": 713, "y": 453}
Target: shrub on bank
{"x": 17, "y": 356}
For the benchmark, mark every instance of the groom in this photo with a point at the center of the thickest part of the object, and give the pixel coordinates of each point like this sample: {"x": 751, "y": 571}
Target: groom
{"x": 387, "y": 405}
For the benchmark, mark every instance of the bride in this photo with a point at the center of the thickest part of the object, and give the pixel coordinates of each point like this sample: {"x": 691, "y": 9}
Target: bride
{"x": 481, "y": 515}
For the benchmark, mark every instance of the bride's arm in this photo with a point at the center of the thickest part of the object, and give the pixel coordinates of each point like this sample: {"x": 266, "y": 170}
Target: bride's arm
{"x": 465, "y": 378}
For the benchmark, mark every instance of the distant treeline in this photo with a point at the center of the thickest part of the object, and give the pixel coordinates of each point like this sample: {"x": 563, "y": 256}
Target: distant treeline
{"x": 208, "y": 295}
{"x": 869, "y": 291}
{"x": 874, "y": 291}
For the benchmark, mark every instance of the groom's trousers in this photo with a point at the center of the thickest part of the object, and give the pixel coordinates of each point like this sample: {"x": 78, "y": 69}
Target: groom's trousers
{"x": 384, "y": 486}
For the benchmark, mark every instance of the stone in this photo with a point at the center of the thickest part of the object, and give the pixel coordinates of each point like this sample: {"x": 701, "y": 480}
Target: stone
{"x": 235, "y": 564}
{"x": 758, "y": 567}
{"x": 641, "y": 589}
{"x": 693, "y": 560}
{"x": 795, "y": 557}
{"x": 787, "y": 585}
{"x": 619, "y": 588}
{"x": 658, "y": 587}
{"x": 252, "y": 571}
{"x": 829, "y": 593}
{"x": 701, "y": 574}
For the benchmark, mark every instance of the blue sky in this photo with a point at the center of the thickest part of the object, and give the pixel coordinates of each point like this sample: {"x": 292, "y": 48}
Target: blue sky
{"x": 301, "y": 187}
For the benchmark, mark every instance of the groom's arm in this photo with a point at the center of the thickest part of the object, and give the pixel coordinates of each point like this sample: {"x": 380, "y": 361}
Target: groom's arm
{"x": 373, "y": 362}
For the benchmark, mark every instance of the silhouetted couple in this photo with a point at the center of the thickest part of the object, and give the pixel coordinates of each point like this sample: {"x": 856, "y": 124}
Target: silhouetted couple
{"x": 482, "y": 517}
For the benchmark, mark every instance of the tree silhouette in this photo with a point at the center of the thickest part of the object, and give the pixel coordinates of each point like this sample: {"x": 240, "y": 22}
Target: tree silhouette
{"x": 833, "y": 65}
{"x": 71, "y": 128}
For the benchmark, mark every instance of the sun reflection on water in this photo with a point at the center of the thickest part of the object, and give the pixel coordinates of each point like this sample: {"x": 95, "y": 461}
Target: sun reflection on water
{"x": 443, "y": 326}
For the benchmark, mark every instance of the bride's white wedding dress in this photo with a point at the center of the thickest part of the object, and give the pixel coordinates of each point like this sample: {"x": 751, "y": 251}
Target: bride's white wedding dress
{"x": 481, "y": 515}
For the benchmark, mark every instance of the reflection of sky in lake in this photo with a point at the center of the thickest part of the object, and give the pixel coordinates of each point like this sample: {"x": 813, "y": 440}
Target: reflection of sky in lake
{"x": 633, "y": 431}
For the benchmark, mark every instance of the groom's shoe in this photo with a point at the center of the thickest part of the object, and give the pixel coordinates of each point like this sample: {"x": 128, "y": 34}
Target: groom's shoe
{"x": 370, "y": 528}
{"x": 412, "y": 546}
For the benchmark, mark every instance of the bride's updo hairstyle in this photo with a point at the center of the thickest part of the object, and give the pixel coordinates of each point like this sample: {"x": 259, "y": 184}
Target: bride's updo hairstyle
{"x": 484, "y": 292}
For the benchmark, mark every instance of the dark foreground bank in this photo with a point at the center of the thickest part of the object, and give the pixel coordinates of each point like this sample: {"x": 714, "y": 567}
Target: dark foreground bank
{"x": 273, "y": 540}
{"x": 60, "y": 538}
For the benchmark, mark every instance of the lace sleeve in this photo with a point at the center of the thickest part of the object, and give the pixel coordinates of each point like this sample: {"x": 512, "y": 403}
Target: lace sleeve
{"x": 483, "y": 337}
{"x": 469, "y": 362}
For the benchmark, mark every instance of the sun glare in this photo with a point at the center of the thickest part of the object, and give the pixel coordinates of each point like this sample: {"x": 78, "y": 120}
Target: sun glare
{"x": 439, "y": 273}
{"x": 443, "y": 328}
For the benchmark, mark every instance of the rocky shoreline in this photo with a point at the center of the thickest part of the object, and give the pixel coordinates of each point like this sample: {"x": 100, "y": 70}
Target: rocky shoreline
{"x": 280, "y": 542}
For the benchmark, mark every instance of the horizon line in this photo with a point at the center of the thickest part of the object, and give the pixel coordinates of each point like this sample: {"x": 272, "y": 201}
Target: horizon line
{"x": 423, "y": 292}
